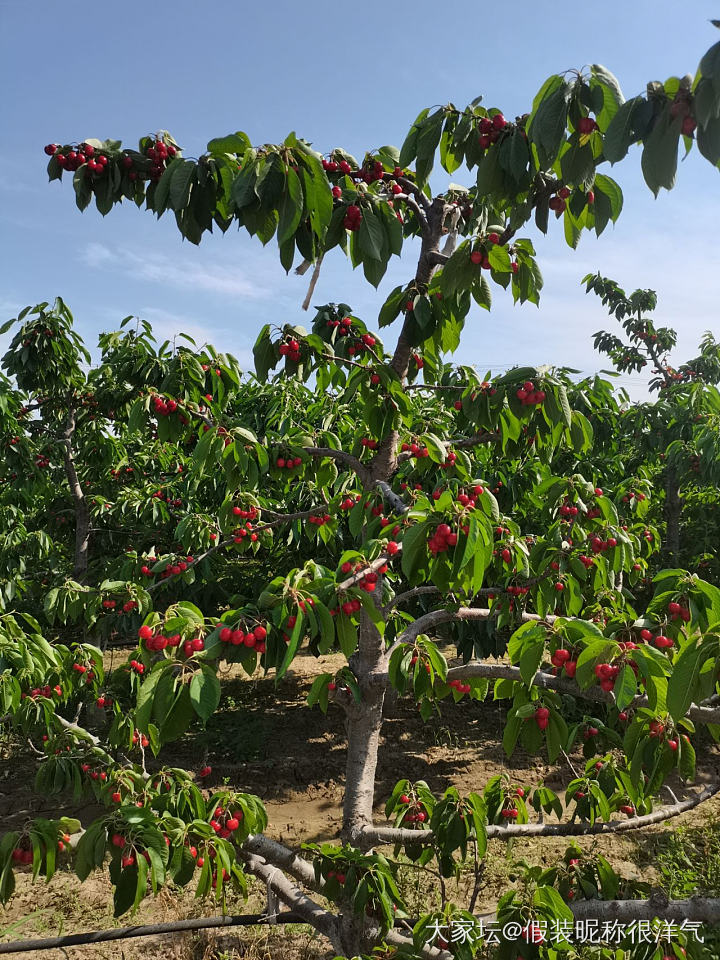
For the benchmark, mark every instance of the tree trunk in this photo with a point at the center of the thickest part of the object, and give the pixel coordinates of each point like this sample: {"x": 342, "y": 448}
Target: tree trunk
{"x": 82, "y": 516}
{"x": 673, "y": 510}
{"x": 364, "y": 719}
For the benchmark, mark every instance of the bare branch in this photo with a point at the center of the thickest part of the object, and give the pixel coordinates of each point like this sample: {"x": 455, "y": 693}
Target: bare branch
{"x": 426, "y": 951}
{"x": 484, "y": 436}
{"x": 361, "y": 574}
{"x": 341, "y": 457}
{"x": 410, "y": 595}
{"x": 695, "y": 910}
{"x": 311, "y": 912}
{"x": 376, "y": 835}
{"x": 396, "y": 502}
{"x": 75, "y": 729}
{"x": 283, "y": 857}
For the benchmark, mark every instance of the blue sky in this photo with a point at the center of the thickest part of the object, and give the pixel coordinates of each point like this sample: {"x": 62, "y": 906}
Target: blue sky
{"x": 339, "y": 75}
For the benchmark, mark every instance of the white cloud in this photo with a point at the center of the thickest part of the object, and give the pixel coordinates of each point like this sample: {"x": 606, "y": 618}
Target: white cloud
{"x": 178, "y": 271}
{"x": 167, "y": 325}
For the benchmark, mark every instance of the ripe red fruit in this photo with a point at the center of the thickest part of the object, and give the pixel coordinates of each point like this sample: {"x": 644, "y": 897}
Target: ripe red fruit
{"x": 232, "y": 824}
{"x": 673, "y": 744}
{"x": 145, "y": 632}
{"x": 586, "y": 125}
{"x": 688, "y": 126}
{"x": 51, "y": 148}
{"x": 499, "y": 121}
{"x": 559, "y": 586}
{"x": 590, "y": 197}
{"x": 116, "y": 797}
{"x": 476, "y": 256}
{"x": 260, "y": 632}
{"x": 205, "y": 772}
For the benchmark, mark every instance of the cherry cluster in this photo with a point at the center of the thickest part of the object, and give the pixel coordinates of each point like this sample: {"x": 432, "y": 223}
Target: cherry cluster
{"x": 320, "y": 521}
{"x": 528, "y": 395}
{"x": 442, "y": 539}
{"x": 416, "y": 812}
{"x": 348, "y": 607}
{"x": 250, "y": 514}
{"x": 164, "y": 407}
{"x": 289, "y": 463}
{"x": 251, "y": 637}
{"x": 75, "y": 157}
{"x": 158, "y": 153}
{"x": 542, "y": 717}
{"x": 353, "y": 218}
{"x": 489, "y": 129}
{"x": 225, "y": 823}
{"x": 45, "y": 691}
{"x": 240, "y": 533}
{"x": 460, "y": 686}
{"x": 415, "y": 449}
{"x": 564, "y": 659}
{"x": 291, "y": 350}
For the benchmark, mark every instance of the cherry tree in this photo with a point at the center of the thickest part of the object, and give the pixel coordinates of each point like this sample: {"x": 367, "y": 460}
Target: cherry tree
{"x": 401, "y": 502}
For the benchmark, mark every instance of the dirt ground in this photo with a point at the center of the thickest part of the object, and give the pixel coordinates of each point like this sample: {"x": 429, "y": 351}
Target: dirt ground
{"x": 265, "y": 740}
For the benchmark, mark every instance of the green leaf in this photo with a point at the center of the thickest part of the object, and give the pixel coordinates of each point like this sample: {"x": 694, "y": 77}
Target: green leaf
{"x": 548, "y": 123}
{"x": 625, "y": 687}
{"x": 414, "y": 550}
{"x": 372, "y": 236}
{"x": 392, "y": 307}
{"x": 427, "y": 143}
{"x": 551, "y": 900}
{"x": 408, "y": 151}
{"x": 531, "y": 659}
{"x": 181, "y": 182}
{"x": 686, "y": 761}
{"x": 683, "y": 680}
{"x": 708, "y": 140}
{"x": 620, "y": 133}
{"x": 234, "y": 143}
{"x": 660, "y": 153}
{"x": 291, "y": 207}
{"x": 178, "y": 717}
{"x": 205, "y": 693}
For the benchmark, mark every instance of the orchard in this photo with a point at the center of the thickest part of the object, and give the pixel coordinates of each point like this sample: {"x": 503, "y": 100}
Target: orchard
{"x": 449, "y": 537}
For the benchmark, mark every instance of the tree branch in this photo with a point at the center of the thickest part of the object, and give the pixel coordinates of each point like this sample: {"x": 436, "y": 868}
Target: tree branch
{"x": 377, "y": 835}
{"x": 341, "y": 457}
{"x": 311, "y": 912}
{"x": 283, "y": 857}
